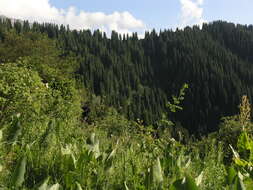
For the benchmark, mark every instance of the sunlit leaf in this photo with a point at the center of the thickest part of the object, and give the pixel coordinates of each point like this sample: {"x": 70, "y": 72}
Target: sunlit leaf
{"x": 44, "y": 185}
{"x": 187, "y": 183}
{"x": 54, "y": 187}
{"x": 236, "y": 155}
{"x": 1, "y": 135}
{"x": 78, "y": 186}
{"x": 199, "y": 178}
{"x": 157, "y": 172}
{"x": 125, "y": 185}
{"x": 93, "y": 146}
{"x": 67, "y": 150}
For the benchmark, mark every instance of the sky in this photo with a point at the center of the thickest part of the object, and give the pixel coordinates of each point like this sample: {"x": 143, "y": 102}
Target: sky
{"x": 130, "y": 15}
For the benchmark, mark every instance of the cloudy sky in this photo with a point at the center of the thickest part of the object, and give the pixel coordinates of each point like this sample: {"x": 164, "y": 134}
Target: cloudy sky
{"x": 129, "y": 15}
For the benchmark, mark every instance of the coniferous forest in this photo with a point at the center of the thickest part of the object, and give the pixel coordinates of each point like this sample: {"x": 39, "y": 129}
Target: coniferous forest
{"x": 83, "y": 110}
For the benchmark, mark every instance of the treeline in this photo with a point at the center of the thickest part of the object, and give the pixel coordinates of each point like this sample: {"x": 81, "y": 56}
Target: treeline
{"x": 138, "y": 76}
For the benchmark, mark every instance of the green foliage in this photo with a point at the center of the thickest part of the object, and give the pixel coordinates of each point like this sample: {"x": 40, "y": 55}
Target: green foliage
{"x": 136, "y": 76}
{"x": 46, "y": 145}
{"x": 44, "y": 185}
{"x": 40, "y": 108}
{"x": 235, "y": 180}
{"x": 244, "y": 157}
{"x": 174, "y": 106}
{"x": 241, "y": 177}
{"x": 19, "y": 173}
{"x": 157, "y": 172}
{"x": 186, "y": 183}
{"x": 21, "y": 92}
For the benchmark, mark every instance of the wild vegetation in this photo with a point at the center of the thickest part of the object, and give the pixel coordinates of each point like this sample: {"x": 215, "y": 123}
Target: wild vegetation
{"x": 59, "y": 129}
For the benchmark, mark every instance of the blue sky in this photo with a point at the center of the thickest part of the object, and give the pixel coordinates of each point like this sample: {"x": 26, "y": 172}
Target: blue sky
{"x": 131, "y": 15}
{"x": 154, "y": 13}
{"x": 166, "y": 13}
{"x": 237, "y": 11}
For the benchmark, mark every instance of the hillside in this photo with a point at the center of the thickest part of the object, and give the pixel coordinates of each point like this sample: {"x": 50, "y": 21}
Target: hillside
{"x": 138, "y": 76}
{"x": 79, "y": 110}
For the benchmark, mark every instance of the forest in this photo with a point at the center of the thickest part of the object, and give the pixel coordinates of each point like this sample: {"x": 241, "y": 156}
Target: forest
{"x": 83, "y": 110}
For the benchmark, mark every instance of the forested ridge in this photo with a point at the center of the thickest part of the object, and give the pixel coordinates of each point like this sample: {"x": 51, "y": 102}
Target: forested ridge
{"x": 80, "y": 110}
{"x": 137, "y": 76}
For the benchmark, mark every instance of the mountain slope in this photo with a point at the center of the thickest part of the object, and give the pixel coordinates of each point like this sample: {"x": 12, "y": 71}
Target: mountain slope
{"x": 138, "y": 76}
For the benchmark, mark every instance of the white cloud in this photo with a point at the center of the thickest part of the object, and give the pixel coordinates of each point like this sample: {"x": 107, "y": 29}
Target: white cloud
{"x": 200, "y": 2}
{"x": 43, "y": 11}
{"x": 191, "y": 13}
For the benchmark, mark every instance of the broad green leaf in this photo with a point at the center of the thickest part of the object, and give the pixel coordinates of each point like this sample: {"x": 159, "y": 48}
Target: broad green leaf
{"x": 74, "y": 160}
{"x": 95, "y": 149}
{"x": 240, "y": 175}
{"x": 93, "y": 146}
{"x": 112, "y": 154}
{"x": 188, "y": 163}
{"x": 126, "y": 188}
{"x": 91, "y": 139}
{"x": 19, "y": 174}
{"x": 69, "y": 153}
{"x": 148, "y": 178}
{"x": 44, "y": 185}
{"x": 236, "y": 182}
{"x": 199, "y": 178}
{"x": 231, "y": 175}
{"x": 67, "y": 150}
{"x": 17, "y": 131}
{"x": 1, "y": 135}
{"x": 187, "y": 183}
{"x": 179, "y": 161}
{"x": 243, "y": 142}
{"x": 239, "y": 185}
{"x": 241, "y": 162}
{"x": 78, "y": 186}
{"x": 109, "y": 161}
{"x": 248, "y": 183}
{"x": 54, "y": 187}
{"x": 157, "y": 172}
{"x": 236, "y": 155}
